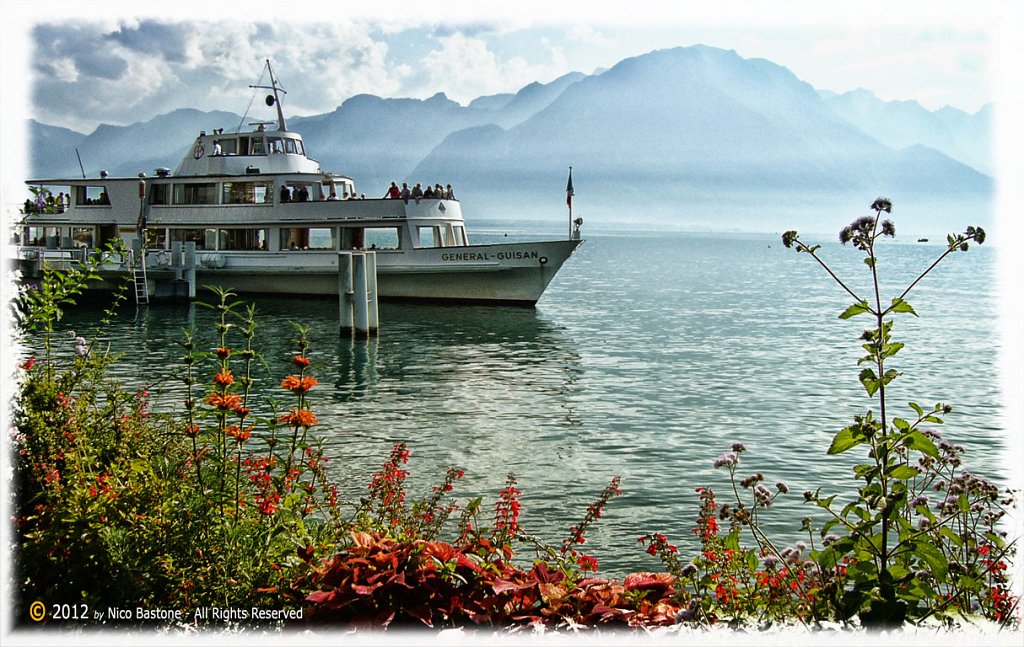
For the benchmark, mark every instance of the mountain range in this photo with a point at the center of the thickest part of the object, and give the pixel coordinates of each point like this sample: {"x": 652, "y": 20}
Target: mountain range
{"x": 683, "y": 133}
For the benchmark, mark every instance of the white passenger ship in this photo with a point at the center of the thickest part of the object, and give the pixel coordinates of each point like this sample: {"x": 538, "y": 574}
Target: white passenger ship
{"x": 264, "y": 218}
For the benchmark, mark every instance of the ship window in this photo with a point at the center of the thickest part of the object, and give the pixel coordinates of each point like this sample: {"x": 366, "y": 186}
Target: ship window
{"x": 275, "y": 144}
{"x": 430, "y": 236}
{"x": 227, "y": 146}
{"x": 203, "y": 238}
{"x": 289, "y": 146}
{"x": 246, "y": 192}
{"x": 308, "y": 238}
{"x": 156, "y": 238}
{"x": 298, "y": 192}
{"x": 91, "y": 195}
{"x": 159, "y": 194}
{"x": 35, "y": 236}
{"x": 257, "y": 146}
{"x": 458, "y": 236}
{"x": 83, "y": 236}
{"x": 199, "y": 193}
{"x": 242, "y": 239}
{"x": 380, "y": 238}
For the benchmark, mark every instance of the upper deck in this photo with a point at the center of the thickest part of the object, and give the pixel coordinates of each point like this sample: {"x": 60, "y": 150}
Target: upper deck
{"x": 254, "y": 152}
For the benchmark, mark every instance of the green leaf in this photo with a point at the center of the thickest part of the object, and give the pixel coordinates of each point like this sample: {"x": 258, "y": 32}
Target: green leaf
{"x": 855, "y": 309}
{"x": 917, "y": 408}
{"x": 899, "y": 305}
{"x": 826, "y": 503}
{"x": 900, "y": 424}
{"x": 846, "y": 439}
{"x": 866, "y": 472}
{"x": 891, "y": 349}
{"x": 904, "y": 472}
{"x": 919, "y": 442}
{"x": 890, "y": 375}
{"x": 863, "y": 571}
{"x": 869, "y": 380}
{"x": 948, "y": 533}
{"x": 829, "y": 525}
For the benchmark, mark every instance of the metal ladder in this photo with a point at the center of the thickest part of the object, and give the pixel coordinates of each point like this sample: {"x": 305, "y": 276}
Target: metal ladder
{"x": 139, "y": 278}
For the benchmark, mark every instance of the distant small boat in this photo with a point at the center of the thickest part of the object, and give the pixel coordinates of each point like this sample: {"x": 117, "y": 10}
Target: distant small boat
{"x": 922, "y": 240}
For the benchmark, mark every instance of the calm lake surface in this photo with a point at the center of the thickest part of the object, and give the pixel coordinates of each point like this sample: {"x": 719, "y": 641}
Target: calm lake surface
{"x": 647, "y": 358}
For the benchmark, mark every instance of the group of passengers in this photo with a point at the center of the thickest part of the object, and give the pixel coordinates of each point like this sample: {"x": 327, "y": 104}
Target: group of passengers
{"x": 346, "y": 196}
{"x": 300, "y": 193}
{"x": 46, "y": 202}
{"x": 417, "y": 193}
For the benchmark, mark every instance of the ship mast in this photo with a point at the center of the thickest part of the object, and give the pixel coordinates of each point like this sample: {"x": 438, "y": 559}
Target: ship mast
{"x": 276, "y": 99}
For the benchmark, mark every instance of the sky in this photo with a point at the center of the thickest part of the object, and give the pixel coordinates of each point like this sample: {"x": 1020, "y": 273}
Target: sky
{"x": 83, "y": 64}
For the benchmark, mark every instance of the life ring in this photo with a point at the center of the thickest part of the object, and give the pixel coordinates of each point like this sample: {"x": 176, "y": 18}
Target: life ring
{"x": 199, "y": 151}
{"x": 213, "y": 261}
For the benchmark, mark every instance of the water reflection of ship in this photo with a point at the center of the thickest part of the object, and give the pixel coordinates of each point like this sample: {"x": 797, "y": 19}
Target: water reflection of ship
{"x": 443, "y": 352}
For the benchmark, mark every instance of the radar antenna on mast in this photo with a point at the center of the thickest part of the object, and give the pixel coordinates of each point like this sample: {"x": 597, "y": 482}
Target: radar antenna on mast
{"x": 275, "y": 99}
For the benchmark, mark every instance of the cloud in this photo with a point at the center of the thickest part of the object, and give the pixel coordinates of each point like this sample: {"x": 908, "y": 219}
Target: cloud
{"x": 470, "y": 30}
{"x": 465, "y": 68}
{"x": 90, "y": 73}
{"x": 153, "y": 38}
{"x": 75, "y": 52}
{"x": 588, "y": 35}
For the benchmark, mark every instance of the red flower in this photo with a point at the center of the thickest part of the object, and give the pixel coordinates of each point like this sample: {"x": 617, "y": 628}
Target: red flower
{"x": 224, "y": 377}
{"x": 267, "y": 505}
{"x": 223, "y": 353}
{"x": 587, "y": 563}
{"x": 225, "y": 402}
{"x": 301, "y": 361}
{"x": 299, "y": 417}
{"x": 29, "y": 364}
{"x": 297, "y": 384}
{"x": 239, "y": 434}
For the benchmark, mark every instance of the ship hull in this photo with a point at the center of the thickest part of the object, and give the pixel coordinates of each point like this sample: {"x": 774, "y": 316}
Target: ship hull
{"x": 507, "y": 274}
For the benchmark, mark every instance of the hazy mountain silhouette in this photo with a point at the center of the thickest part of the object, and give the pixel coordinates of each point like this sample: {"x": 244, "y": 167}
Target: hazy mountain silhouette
{"x": 898, "y": 124}
{"x": 123, "y": 150}
{"x": 693, "y": 122}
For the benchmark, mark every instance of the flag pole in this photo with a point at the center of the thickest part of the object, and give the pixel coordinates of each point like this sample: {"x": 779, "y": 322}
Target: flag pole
{"x": 568, "y": 200}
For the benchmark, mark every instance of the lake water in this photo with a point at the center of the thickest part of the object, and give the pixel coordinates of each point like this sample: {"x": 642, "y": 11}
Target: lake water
{"x": 647, "y": 358}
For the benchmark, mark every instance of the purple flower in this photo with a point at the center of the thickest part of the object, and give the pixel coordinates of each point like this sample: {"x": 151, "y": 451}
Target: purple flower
{"x": 729, "y": 459}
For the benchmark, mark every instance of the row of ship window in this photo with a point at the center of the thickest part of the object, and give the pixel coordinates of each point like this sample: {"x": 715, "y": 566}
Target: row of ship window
{"x": 206, "y": 193}
{"x": 295, "y": 238}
